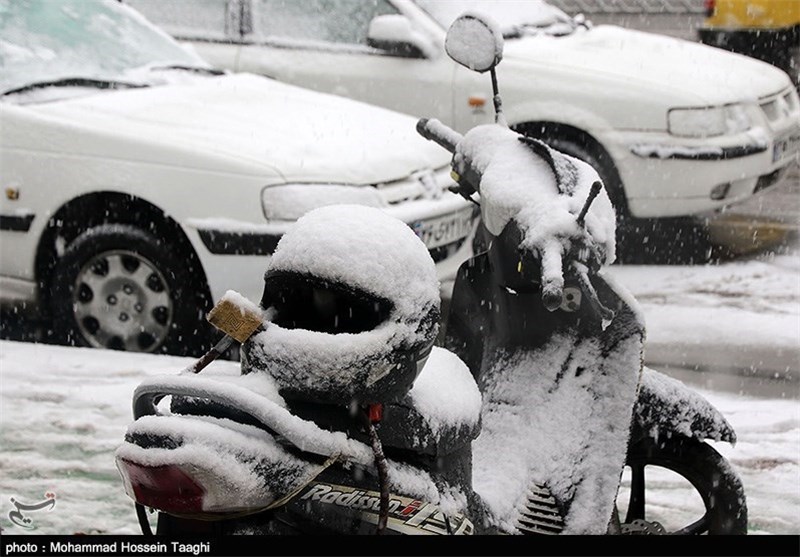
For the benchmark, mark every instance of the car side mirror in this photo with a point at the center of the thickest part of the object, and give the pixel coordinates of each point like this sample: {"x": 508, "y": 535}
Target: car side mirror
{"x": 395, "y": 35}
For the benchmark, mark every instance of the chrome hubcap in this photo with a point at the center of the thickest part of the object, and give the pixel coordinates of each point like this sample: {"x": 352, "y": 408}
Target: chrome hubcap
{"x": 122, "y": 302}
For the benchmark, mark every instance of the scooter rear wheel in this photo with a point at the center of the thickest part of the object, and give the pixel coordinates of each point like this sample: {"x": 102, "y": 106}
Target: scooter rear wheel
{"x": 709, "y": 474}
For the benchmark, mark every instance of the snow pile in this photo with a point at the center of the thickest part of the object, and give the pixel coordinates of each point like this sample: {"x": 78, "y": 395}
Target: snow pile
{"x": 757, "y": 136}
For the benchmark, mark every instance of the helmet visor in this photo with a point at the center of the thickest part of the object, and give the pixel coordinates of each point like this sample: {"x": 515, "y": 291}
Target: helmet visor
{"x": 310, "y": 303}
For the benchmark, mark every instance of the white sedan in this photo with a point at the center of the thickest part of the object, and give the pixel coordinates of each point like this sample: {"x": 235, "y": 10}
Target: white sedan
{"x": 139, "y": 185}
{"x": 675, "y": 128}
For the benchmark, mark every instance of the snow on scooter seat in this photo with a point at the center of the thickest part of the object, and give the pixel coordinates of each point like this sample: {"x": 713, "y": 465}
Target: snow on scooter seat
{"x": 223, "y": 451}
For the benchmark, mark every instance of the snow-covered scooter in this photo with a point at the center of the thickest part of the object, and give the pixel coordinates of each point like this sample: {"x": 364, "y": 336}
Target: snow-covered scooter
{"x": 347, "y": 418}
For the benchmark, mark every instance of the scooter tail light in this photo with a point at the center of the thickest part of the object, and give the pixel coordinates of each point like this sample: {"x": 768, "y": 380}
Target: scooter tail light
{"x": 167, "y": 488}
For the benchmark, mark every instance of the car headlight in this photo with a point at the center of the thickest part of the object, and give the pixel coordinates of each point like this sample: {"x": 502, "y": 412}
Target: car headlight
{"x": 708, "y": 121}
{"x": 292, "y": 201}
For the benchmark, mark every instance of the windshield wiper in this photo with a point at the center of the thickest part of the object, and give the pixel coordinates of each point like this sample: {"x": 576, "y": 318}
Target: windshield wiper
{"x": 195, "y": 69}
{"x": 74, "y": 82}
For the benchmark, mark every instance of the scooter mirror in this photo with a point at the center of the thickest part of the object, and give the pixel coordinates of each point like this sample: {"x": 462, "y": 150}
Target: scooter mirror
{"x": 475, "y": 42}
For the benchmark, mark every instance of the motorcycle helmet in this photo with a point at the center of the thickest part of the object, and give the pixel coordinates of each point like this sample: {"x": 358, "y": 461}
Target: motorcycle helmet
{"x": 351, "y": 298}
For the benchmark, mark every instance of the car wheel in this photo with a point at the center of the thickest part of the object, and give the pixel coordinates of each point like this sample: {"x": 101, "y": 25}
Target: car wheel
{"x": 120, "y": 288}
{"x": 676, "y": 464}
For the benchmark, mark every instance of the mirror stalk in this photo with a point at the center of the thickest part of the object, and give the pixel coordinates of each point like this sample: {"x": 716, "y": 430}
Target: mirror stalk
{"x": 499, "y": 118}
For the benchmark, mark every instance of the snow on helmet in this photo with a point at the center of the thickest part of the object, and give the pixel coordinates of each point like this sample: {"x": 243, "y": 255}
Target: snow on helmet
{"x": 352, "y": 303}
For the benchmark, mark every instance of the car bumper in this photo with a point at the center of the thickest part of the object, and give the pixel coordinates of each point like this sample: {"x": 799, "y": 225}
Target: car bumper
{"x": 665, "y": 177}
{"x": 236, "y": 255}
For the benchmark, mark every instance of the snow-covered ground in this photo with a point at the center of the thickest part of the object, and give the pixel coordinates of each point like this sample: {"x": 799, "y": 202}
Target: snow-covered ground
{"x": 743, "y": 315}
{"x": 64, "y": 411}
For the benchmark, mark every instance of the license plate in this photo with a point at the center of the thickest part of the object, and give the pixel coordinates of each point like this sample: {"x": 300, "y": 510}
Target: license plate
{"x": 444, "y": 230}
{"x": 786, "y": 147}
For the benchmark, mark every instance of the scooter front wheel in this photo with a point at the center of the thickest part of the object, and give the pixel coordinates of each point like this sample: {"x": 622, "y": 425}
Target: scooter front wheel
{"x": 698, "y": 466}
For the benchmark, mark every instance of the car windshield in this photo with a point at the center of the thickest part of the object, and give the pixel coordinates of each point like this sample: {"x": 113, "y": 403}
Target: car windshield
{"x": 516, "y": 19}
{"x": 88, "y": 44}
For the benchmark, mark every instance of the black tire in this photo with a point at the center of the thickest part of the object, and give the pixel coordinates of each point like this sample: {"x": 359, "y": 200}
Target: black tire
{"x": 119, "y": 287}
{"x": 708, "y": 472}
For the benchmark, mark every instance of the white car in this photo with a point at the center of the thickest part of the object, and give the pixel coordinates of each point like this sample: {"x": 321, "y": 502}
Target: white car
{"x": 139, "y": 185}
{"x": 675, "y": 128}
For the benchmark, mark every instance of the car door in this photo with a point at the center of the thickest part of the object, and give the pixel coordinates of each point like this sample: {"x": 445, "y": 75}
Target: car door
{"x": 322, "y": 45}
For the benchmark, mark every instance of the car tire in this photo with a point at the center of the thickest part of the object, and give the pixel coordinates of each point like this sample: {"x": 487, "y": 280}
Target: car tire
{"x": 119, "y": 287}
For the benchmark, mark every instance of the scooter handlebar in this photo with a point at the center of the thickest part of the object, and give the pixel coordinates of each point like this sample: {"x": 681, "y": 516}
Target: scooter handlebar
{"x": 552, "y": 258}
{"x": 433, "y": 130}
